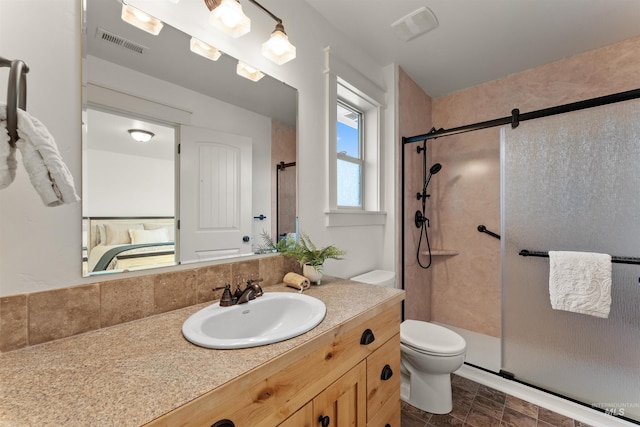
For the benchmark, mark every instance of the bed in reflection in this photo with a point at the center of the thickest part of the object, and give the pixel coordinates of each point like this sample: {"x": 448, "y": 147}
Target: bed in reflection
{"x": 119, "y": 243}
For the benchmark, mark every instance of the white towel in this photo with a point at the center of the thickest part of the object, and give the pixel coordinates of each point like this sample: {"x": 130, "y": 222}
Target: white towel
{"x": 8, "y": 161}
{"x": 580, "y": 282}
{"x": 47, "y": 172}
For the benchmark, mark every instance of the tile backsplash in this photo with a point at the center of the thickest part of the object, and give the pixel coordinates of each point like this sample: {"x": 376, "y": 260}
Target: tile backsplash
{"x": 38, "y": 317}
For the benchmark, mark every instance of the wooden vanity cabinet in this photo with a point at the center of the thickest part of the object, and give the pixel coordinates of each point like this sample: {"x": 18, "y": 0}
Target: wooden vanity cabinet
{"x": 337, "y": 374}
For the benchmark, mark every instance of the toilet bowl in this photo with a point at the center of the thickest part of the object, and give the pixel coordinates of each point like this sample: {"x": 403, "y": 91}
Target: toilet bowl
{"x": 429, "y": 353}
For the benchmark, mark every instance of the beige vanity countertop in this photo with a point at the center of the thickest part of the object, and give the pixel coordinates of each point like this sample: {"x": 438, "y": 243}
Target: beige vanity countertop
{"x": 130, "y": 374}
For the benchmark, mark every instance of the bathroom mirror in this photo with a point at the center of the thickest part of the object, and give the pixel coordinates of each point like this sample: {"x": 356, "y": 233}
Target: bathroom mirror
{"x": 174, "y": 198}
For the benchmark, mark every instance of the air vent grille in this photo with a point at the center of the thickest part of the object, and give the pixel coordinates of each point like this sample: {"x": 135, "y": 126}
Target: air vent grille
{"x": 115, "y": 39}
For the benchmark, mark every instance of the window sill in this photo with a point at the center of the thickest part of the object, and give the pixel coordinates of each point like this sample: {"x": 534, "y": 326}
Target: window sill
{"x": 354, "y": 218}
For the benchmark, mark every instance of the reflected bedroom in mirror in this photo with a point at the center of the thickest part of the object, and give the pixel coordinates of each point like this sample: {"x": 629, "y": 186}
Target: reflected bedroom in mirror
{"x": 183, "y": 159}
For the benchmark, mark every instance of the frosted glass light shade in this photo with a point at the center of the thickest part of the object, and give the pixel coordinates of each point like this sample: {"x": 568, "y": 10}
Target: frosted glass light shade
{"x": 249, "y": 72}
{"x": 141, "y": 20}
{"x": 278, "y": 48}
{"x": 229, "y": 18}
{"x": 140, "y": 135}
{"x": 204, "y": 49}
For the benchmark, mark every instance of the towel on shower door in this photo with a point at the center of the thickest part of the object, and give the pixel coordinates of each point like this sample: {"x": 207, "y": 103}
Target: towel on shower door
{"x": 47, "y": 172}
{"x": 580, "y": 282}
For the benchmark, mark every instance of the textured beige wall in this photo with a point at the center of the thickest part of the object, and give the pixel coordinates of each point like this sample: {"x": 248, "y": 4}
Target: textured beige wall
{"x": 414, "y": 118}
{"x": 466, "y": 288}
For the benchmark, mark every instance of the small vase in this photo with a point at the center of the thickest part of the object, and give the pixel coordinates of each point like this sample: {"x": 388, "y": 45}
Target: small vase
{"x": 310, "y": 272}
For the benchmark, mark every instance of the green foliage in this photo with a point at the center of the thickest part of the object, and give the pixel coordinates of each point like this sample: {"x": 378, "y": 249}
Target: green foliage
{"x": 304, "y": 251}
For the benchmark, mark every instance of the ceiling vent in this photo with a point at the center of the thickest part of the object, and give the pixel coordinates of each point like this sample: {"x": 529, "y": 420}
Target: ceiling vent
{"x": 107, "y": 36}
{"x": 415, "y": 24}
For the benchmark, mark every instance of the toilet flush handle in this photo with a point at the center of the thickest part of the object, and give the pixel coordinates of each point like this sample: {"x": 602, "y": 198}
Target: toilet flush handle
{"x": 367, "y": 337}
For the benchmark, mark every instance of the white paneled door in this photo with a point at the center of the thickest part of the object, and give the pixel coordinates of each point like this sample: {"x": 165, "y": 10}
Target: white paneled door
{"x": 215, "y": 194}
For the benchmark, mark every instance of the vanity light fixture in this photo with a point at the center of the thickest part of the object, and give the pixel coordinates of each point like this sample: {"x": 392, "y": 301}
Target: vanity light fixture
{"x": 278, "y": 48}
{"x": 141, "y": 20}
{"x": 204, "y": 49}
{"x": 227, "y": 16}
{"x": 249, "y": 72}
{"x": 141, "y": 135}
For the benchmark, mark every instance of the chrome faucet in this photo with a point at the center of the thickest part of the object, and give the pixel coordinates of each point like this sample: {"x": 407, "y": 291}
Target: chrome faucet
{"x": 251, "y": 291}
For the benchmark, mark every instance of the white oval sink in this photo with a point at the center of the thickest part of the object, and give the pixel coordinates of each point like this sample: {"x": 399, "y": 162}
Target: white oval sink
{"x": 273, "y": 317}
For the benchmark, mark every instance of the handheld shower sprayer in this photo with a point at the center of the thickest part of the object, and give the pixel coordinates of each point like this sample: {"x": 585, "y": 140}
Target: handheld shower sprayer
{"x": 421, "y": 221}
{"x": 419, "y": 217}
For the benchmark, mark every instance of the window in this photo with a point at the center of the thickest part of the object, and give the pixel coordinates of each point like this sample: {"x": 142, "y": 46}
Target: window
{"x": 349, "y": 156}
{"x": 355, "y": 106}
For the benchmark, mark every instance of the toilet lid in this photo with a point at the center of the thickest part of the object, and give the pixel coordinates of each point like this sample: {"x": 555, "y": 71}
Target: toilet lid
{"x": 430, "y": 338}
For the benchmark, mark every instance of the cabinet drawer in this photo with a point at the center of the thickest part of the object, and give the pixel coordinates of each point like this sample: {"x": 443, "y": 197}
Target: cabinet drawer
{"x": 383, "y": 375}
{"x": 389, "y": 414}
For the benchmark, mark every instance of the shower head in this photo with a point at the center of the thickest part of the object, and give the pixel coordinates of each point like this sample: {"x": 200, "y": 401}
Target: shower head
{"x": 435, "y": 169}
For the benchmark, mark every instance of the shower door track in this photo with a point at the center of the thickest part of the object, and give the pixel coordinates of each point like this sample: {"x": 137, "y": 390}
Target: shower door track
{"x": 516, "y": 117}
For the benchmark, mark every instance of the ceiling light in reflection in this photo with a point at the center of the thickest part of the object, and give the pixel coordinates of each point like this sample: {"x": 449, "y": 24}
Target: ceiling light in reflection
{"x": 249, "y": 72}
{"x": 204, "y": 49}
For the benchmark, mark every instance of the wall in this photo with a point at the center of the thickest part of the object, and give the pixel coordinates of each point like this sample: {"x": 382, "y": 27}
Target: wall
{"x": 30, "y": 232}
{"x": 414, "y": 118}
{"x": 149, "y": 185}
{"x": 467, "y": 287}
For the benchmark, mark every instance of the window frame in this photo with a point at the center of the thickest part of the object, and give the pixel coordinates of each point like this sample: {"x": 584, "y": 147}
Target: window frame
{"x": 360, "y": 161}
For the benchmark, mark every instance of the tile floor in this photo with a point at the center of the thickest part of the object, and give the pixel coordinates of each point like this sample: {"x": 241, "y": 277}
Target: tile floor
{"x": 475, "y": 405}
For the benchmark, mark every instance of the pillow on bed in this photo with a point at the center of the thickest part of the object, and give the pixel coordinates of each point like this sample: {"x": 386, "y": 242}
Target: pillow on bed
{"x": 159, "y": 235}
{"x": 156, "y": 225}
{"x": 118, "y": 234}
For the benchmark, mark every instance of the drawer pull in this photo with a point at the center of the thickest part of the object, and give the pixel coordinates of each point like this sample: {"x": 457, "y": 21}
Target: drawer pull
{"x": 324, "y": 421}
{"x": 387, "y": 373}
{"x": 224, "y": 423}
{"x": 367, "y": 337}
{"x": 387, "y": 425}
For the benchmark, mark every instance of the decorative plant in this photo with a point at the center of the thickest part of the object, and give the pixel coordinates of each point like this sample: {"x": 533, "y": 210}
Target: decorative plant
{"x": 304, "y": 250}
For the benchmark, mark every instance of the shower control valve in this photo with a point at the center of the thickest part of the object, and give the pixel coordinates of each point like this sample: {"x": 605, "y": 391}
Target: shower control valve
{"x": 420, "y": 219}
{"x": 419, "y": 196}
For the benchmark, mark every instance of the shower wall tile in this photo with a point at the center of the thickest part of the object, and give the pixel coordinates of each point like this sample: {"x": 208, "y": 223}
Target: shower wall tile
{"x": 283, "y": 149}
{"x": 466, "y": 289}
{"x": 414, "y": 112}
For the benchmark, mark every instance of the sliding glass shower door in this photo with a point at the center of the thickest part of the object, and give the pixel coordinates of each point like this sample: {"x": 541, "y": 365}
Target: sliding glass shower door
{"x": 572, "y": 182}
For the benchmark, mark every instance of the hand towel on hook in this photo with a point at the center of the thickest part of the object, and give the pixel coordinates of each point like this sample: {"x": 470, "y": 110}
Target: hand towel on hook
{"x": 47, "y": 172}
{"x": 580, "y": 282}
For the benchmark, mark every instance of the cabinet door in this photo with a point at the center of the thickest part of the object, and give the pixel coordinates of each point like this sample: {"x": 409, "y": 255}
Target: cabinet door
{"x": 345, "y": 401}
{"x": 302, "y": 418}
{"x": 383, "y": 376}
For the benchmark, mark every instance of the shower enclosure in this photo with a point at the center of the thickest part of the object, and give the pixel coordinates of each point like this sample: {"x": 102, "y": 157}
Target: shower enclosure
{"x": 570, "y": 182}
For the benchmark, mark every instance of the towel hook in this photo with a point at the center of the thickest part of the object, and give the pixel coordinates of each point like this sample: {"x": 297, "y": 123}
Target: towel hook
{"x": 16, "y": 94}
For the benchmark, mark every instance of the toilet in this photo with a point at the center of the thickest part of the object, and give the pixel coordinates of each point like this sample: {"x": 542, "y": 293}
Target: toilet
{"x": 429, "y": 353}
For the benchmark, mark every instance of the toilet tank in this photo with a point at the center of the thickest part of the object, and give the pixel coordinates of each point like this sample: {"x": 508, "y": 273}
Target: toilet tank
{"x": 377, "y": 277}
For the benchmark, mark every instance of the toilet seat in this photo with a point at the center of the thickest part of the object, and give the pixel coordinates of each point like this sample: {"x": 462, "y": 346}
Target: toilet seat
{"x": 428, "y": 338}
